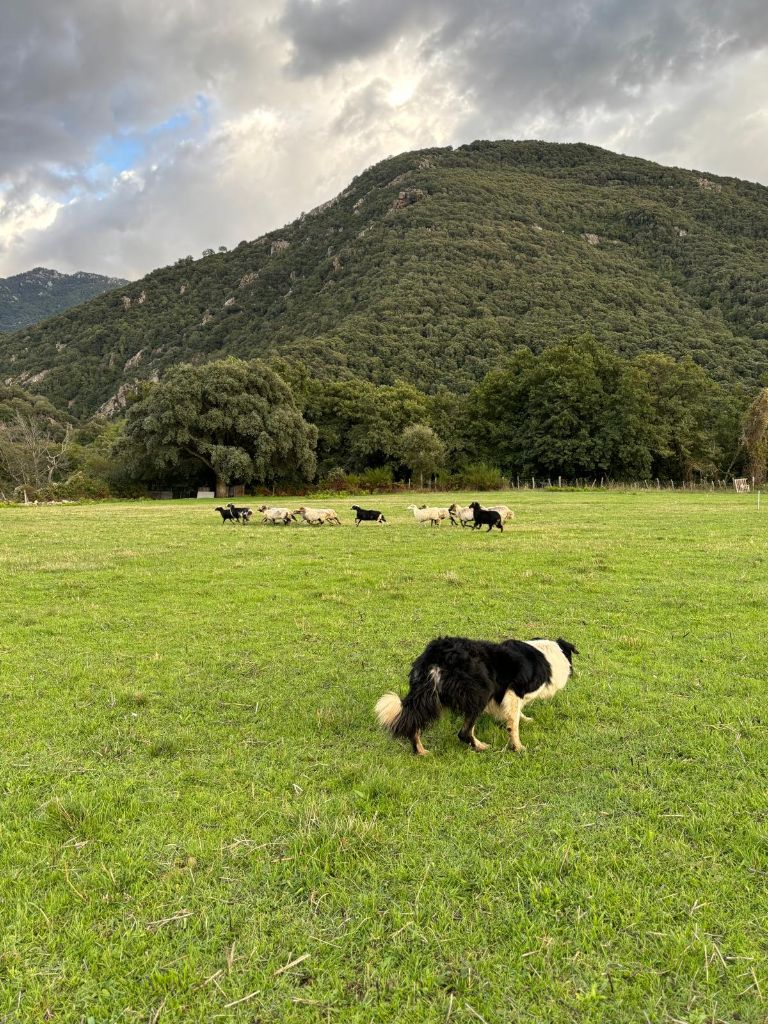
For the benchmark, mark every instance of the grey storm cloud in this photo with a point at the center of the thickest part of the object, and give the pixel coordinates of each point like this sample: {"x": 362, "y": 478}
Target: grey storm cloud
{"x": 301, "y": 95}
{"x": 558, "y": 54}
{"x": 72, "y": 73}
{"x": 325, "y": 34}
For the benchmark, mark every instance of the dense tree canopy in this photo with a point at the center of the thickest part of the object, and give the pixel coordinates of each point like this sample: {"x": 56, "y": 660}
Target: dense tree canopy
{"x": 579, "y": 410}
{"x": 755, "y": 437}
{"x": 238, "y": 420}
{"x": 490, "y": 246}
{"x": 422, "y": 450}
{"x": 361, "y": 425}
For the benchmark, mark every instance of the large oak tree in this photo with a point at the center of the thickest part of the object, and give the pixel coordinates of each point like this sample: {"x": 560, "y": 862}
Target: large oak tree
{"x": 236, "y": 418}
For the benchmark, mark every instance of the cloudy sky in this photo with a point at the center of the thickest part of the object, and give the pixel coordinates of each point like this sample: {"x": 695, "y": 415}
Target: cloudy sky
{"x": 132, "y": 133}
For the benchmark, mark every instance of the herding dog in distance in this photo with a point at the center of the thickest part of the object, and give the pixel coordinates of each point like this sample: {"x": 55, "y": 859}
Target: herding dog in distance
{"x": 472, "y": 676}
{"x": 370, "y": 515}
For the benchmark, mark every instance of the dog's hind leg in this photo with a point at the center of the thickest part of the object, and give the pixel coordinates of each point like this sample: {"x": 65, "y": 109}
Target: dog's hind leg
{"x": 416, "y": 743}
{"x": 467, "y": 734}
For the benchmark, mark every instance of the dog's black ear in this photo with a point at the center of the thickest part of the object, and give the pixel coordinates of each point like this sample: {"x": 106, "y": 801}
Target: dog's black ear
{"x": 567, "y": 648}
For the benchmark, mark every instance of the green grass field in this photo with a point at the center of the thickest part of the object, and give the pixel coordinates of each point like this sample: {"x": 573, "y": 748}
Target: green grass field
{"x": 199, "y": 819}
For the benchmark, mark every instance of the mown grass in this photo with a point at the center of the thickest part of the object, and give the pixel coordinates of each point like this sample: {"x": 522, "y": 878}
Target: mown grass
{"x": 200, "y": 821}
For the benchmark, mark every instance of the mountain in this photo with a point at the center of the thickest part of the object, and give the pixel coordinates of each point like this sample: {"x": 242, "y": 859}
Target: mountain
{"x": 432, "y": 265}
{"x": 36, "y": 294}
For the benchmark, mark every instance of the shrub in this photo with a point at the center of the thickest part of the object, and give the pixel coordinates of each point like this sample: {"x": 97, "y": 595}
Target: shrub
{"x": 75, "y": 487}
{"x": 336, "y": 480}
{"x": 378, "y": 479}
{"x": 480, "y": 476}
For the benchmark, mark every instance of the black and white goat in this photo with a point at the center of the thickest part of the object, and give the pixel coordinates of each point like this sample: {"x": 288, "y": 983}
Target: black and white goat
{"x": 241, "y": 514}
{"x": 227, "y": 515}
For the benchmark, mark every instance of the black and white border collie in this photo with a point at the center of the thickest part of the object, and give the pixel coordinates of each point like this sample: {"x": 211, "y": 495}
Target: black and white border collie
{"x": 472, "y": 676}
{"x": 363, "y": 515}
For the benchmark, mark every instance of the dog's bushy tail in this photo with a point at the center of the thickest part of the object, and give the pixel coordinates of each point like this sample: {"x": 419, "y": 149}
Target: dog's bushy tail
{"x": 387, "y": 710}
{"x": 418, "y": 710}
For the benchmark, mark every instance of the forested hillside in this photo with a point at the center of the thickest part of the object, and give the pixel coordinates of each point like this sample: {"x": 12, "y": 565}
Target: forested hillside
{"x": 432, "y": 265}
{"x": 36, "y": 294}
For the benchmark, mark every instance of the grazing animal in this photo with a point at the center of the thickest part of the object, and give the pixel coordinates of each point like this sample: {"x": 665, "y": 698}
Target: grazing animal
{"x": 227, "y": 515}
{"x": 318, "y": 516}
{"x": 504, "y": 511}
{"x": 461, "y": 513}
{"x": 444, "y": 513}
{"x": 426, "y": 515}
{"x": 472, "y": 676}
{"x": 485, "y": 517}
{"x": 242, "y": 514}
{"x": 367, "y": 515}
{"x": 275, "y": 515}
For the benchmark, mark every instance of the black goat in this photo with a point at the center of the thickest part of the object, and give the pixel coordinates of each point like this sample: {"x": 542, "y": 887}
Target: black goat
{"x": 485, "y": 517}
{"x": 367, "y": 515}
{"x": 242, "y": 514}
{"x": 227, "y": 515}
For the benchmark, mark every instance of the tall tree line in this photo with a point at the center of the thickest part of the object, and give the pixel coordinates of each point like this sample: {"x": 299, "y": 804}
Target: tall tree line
{"x": 574, "y": 410}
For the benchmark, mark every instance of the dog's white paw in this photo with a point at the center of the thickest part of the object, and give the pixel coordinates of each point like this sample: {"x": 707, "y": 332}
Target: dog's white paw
{"x": 480, "y": 746}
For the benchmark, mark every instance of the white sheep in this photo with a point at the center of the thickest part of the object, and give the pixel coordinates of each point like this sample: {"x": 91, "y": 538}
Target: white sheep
{"x": 275, "y": 515}
{"x": 461, "y": 513}
{"x": 426, "y": 515}
{"x": 444, "y": 513}
{"x": 318, "y": 516}
{"x": 504, "y": 511}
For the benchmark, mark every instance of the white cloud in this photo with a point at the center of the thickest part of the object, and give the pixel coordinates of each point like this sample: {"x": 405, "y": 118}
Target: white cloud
{"x": 301, "y": 95}
{"x": 21, "y": 219}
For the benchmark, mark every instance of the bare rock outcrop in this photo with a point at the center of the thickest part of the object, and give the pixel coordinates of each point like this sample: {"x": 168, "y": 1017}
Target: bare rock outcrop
{"x": 278, "y": 246}
{"x": 408, "y": 198}
{"x": 134, "y": 360}
{"x": 116, "y": 403}
{"x": 119, "y": 400}
{"x": 317, "y": 210}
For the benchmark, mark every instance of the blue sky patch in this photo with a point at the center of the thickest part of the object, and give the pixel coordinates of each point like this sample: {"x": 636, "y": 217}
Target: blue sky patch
{"x": 123, "y": 151}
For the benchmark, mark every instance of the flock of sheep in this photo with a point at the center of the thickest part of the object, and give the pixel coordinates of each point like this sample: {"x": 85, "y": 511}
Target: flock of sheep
{"x": 473, "y": 515}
